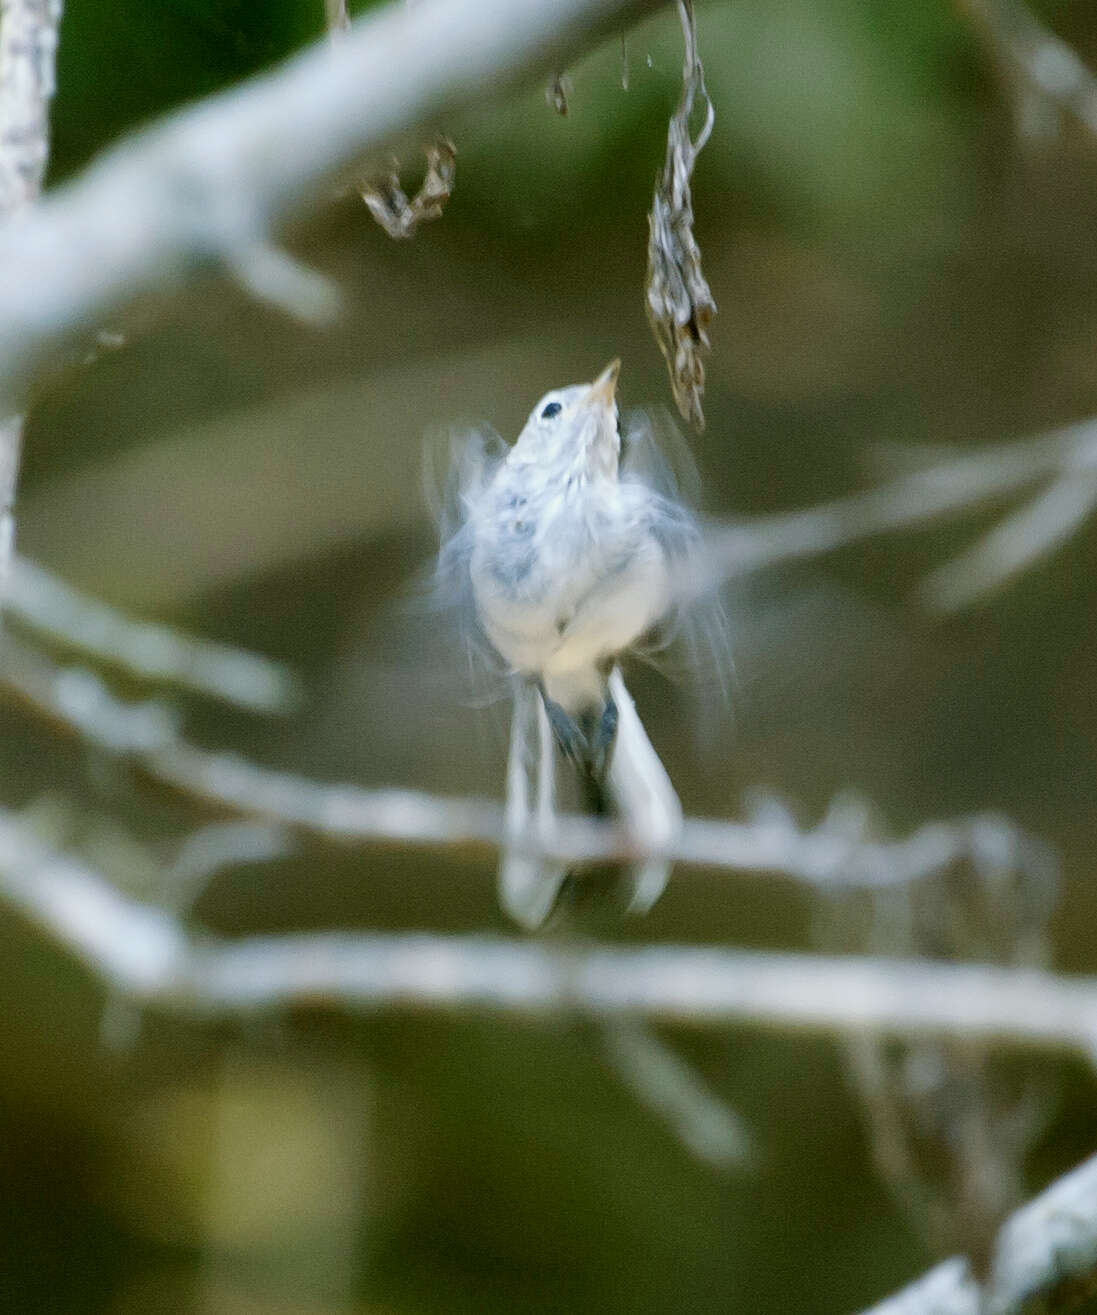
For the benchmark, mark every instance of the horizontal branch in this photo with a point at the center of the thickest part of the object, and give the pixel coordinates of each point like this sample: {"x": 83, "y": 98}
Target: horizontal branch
{"x": 213, "y": 181}
{"x": 144, "y": 956}
{"x": 144, "y": 953}
{"x": 831, "y": 856}
{"x": 1045, "y": 1260}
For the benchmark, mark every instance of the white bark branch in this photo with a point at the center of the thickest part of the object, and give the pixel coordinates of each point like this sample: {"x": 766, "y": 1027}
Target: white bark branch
{"x": 666, "y": 1086}
{"x": 144, "y": 957}
{"x": 1043, "y": 74}
{"x": 144, "y": 953}
{"x": 55, "y": 609}
{"x": 1067, "y": 457}
{"x": 216, "y": 178}
{"x": 946, "y": 488}
{"x": 28, "y": 48}
{"x": 1045, "y": 1260}
{"x": 829, "y": 857}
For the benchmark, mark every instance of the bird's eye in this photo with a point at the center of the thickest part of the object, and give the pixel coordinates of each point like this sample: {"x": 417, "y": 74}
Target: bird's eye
{"x": 553, "y": 409}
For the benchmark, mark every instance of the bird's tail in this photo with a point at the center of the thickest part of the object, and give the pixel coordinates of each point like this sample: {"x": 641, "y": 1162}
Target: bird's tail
{"x": 633, "y": 788}
{"x": 528, "y": 882}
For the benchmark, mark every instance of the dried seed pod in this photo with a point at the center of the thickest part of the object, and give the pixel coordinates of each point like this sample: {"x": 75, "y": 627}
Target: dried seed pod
{"x": 680, "y": 305}
{"x": 390, "y": 205}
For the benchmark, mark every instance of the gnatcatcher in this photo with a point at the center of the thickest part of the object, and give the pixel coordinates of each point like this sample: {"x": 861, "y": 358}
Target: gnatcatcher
{"x": 572, "y": 557}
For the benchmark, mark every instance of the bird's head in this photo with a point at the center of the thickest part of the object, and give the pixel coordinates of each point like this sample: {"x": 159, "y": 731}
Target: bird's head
{"x": 575, "y": 426}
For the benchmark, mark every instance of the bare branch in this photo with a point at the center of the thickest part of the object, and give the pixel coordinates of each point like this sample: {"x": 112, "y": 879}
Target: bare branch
{"x": 828, "y": 857}
{"x": 28, "y": 48}
{"x": 144, "y": 953}
{"x": 220, "y": 175}
{"x": 211, "y": 849}
{"x": 272, "y": 275}
{"x": 338, "y": 18}
{"x": 1014, "y": 544}
{"x": 662, "y": 1082}
{"x": 43, "y": 602}
{"x": 949, "y": 488}
{"x": 11, "y": 447}
{"x": 1045, "y": 1260}
{"x": 1043, "y": 75}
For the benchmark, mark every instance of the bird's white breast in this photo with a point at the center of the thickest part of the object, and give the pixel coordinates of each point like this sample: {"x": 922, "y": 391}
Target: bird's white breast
{"x": 566, "y": 575}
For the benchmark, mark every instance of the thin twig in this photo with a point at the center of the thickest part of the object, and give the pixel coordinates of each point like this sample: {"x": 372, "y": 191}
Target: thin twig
{"x": 49, "y": 605}
{"x": 948, "y": 488}
{"x": 1044, "y": 75}
{"x": 1014, "y": 545}
{"x": 664, "y": 1083}
{"x": 338, "y": 18}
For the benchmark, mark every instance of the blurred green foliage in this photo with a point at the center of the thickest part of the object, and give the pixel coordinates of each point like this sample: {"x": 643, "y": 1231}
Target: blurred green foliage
{"x": 124, "y": 62}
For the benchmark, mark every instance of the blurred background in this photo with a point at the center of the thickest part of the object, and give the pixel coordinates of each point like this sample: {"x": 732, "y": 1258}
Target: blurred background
{"x": 895, "y": 267}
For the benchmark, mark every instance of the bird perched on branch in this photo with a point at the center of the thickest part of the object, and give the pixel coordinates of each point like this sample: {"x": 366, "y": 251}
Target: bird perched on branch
{"x": 571, "y": 554}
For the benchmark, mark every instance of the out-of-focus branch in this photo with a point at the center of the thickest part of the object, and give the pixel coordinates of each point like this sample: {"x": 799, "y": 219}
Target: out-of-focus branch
{"x": 1045, "y": 1260}
{"x": 338, "y": 19}
{"x": 145, "y": 954}
{"x": 144, "y": 957}
{"x": 28, "y": 47}
{"x": 831, "y": 856}
{"x": 664, "y": 1084}
{"x": 1042, "y": 73}
{"x": 947, "y": 488}
{"x": 47, "y": 604}
{"x": 210, "y": 182}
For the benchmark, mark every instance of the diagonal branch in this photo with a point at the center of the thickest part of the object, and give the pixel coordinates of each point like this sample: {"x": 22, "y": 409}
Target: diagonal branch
{"x": 1044, "y": 75}
{"x": 45, "y": 603}
{"x": 218, "y": 177}
{"x": 1067, "y": 456}
{"x": 1045, "y": 1260}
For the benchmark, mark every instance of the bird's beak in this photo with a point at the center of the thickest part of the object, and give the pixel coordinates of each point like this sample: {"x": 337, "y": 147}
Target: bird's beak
{"x": 604, "y": 389}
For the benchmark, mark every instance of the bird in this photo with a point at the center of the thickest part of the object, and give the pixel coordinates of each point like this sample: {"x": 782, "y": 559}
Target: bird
{"x": 571, "y": 553}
